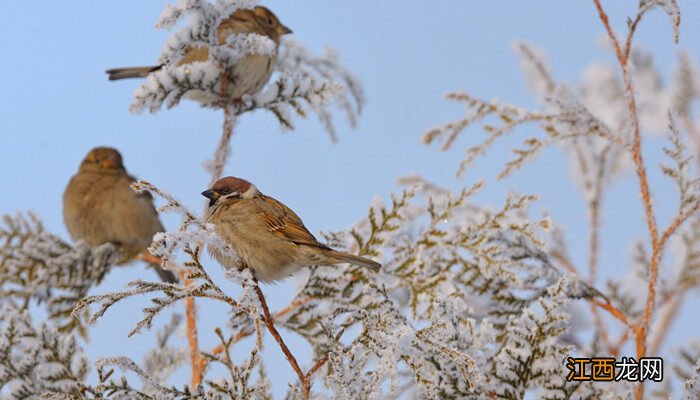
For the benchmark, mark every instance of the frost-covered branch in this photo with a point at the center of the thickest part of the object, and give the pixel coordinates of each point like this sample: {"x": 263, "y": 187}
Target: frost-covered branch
{"x": 166, "y": 246}
{"x": 38, "y": 360}
{"x": 600, "y": 123}
{"x": 37, "y": 266}
{"x": 305, "y": 84}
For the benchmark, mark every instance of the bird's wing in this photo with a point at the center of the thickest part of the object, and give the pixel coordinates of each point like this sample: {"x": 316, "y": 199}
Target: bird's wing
{"x": 194, "y": 54}
{"x": 147, "y": 209}
{"x": 283, "y": 222}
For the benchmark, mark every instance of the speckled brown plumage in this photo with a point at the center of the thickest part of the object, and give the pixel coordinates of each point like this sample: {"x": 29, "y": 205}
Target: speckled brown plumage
{"x": 250, "y": 74}
{"x": 99, "y": 207}
{"x": 267, "y": 235}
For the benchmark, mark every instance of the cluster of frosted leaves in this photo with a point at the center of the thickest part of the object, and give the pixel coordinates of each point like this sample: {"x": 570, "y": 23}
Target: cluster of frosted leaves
{"x": 41, "y": 362}
{"x": 171, "y": 82}
{"x": 163, "y": 360}
{"x": 38, "y": 360}
{"x": 160, "y": 362}
{"x": 691, "y": 387}
{"x": 590, "y": 119}
{"x": 461, "y": 288}
{"x": 681, "y": 272}
{"x": 304, "y": 83}
{"x": 309, "y": 83}
{"x": 464, "y": 292}
{"x": 679, "y": 169}
{"x": 591, "y": 122}
{"x": 38, "y": 267}
{"x": 245, "y": 379}
{"x": 685, "y": 366}
{"x": 670, "y": 7}
{"x": 565, "y": 118}
{"x": 192, "y": 235}
{"x": 686, "y": 274}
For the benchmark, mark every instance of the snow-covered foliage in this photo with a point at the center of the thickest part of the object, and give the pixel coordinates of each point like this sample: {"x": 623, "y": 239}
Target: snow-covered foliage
{"x": 38, "y": 267}
{"x": 458, "y": 280}
{"x": 600, "y": 123}
{"x": 472, "y": 301}
{"x": 36, "y": 361}
{"x": 305, "y": 83}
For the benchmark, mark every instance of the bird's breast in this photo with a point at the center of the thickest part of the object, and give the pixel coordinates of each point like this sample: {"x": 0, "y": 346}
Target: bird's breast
{"x": 251, "y": 74}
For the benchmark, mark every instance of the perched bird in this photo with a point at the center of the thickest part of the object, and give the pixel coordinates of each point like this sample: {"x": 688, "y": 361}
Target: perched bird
{"x": 267, "y": 236}
{"x": 251, "y": 73}
{"x": 99, "y": 207}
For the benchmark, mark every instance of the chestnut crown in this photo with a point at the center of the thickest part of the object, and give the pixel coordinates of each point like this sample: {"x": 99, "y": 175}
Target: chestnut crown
{"x": 229, "y": 187}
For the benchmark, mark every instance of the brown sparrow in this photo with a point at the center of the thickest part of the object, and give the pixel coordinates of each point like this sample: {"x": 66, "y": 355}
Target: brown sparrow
{"x": 267, "y": 236}
{"x": 99, "y": 207}
{"x": 251, "y": 73}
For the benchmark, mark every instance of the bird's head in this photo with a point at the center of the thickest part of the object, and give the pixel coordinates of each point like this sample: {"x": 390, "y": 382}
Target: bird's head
{"x": 102, "y": 159}
{"x": 270, "y": 23}
{"x": 229, "y": 188}
{"x": 258, "y": 20}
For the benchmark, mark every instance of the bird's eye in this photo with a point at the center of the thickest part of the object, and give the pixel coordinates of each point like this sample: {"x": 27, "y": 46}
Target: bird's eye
{"x": 226, "y": 191}
{"x": 269, "y": 21}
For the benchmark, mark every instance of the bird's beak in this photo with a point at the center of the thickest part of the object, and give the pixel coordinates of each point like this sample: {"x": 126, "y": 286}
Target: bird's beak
{"x": 284, "y": 30}
{"x": 108, "y": 163}
{"x": 211, "y": 195}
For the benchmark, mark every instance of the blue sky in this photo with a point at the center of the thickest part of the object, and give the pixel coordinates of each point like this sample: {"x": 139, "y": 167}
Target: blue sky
{"x": 57, "y": 104}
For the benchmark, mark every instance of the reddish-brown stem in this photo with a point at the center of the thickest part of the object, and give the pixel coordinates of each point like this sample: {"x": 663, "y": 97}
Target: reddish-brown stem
{"x": 305, "y": 379}
{"x": 612, "y": 310}
{"x": 192, "y": 338}
{"x": 309, "y": 375}
{"x": 150, "y": 258}
{"x": 630, "y": 35}
{"x": 273, "y": 331}
{"x": 249, "y": 330}
{"x": 674, "y": 298}
{"x": 676, "y": 223}
{"x": 622, "y": 57}
{"x": 305, "y": 383}
{"x": 604, "y": 18}
{"x": 191, "y": 319}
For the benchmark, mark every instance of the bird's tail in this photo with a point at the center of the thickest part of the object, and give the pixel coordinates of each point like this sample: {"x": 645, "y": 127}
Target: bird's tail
{"x": 131, "y": 72}
{"x": 355, "y": 260}
{"x": 165, "y": 275}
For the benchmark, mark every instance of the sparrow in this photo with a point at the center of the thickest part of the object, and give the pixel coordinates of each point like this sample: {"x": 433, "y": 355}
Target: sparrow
{"x": 99, "y": 206}
{"x": 251, "y": 73}
{"x": 267, "y": 236}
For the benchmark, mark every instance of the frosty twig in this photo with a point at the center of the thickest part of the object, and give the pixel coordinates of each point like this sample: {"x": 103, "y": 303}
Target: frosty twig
{"x": 657, "y": 243}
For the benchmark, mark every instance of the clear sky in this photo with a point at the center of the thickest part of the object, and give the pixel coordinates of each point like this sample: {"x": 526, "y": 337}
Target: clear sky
{"x": 57, "y": 104}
